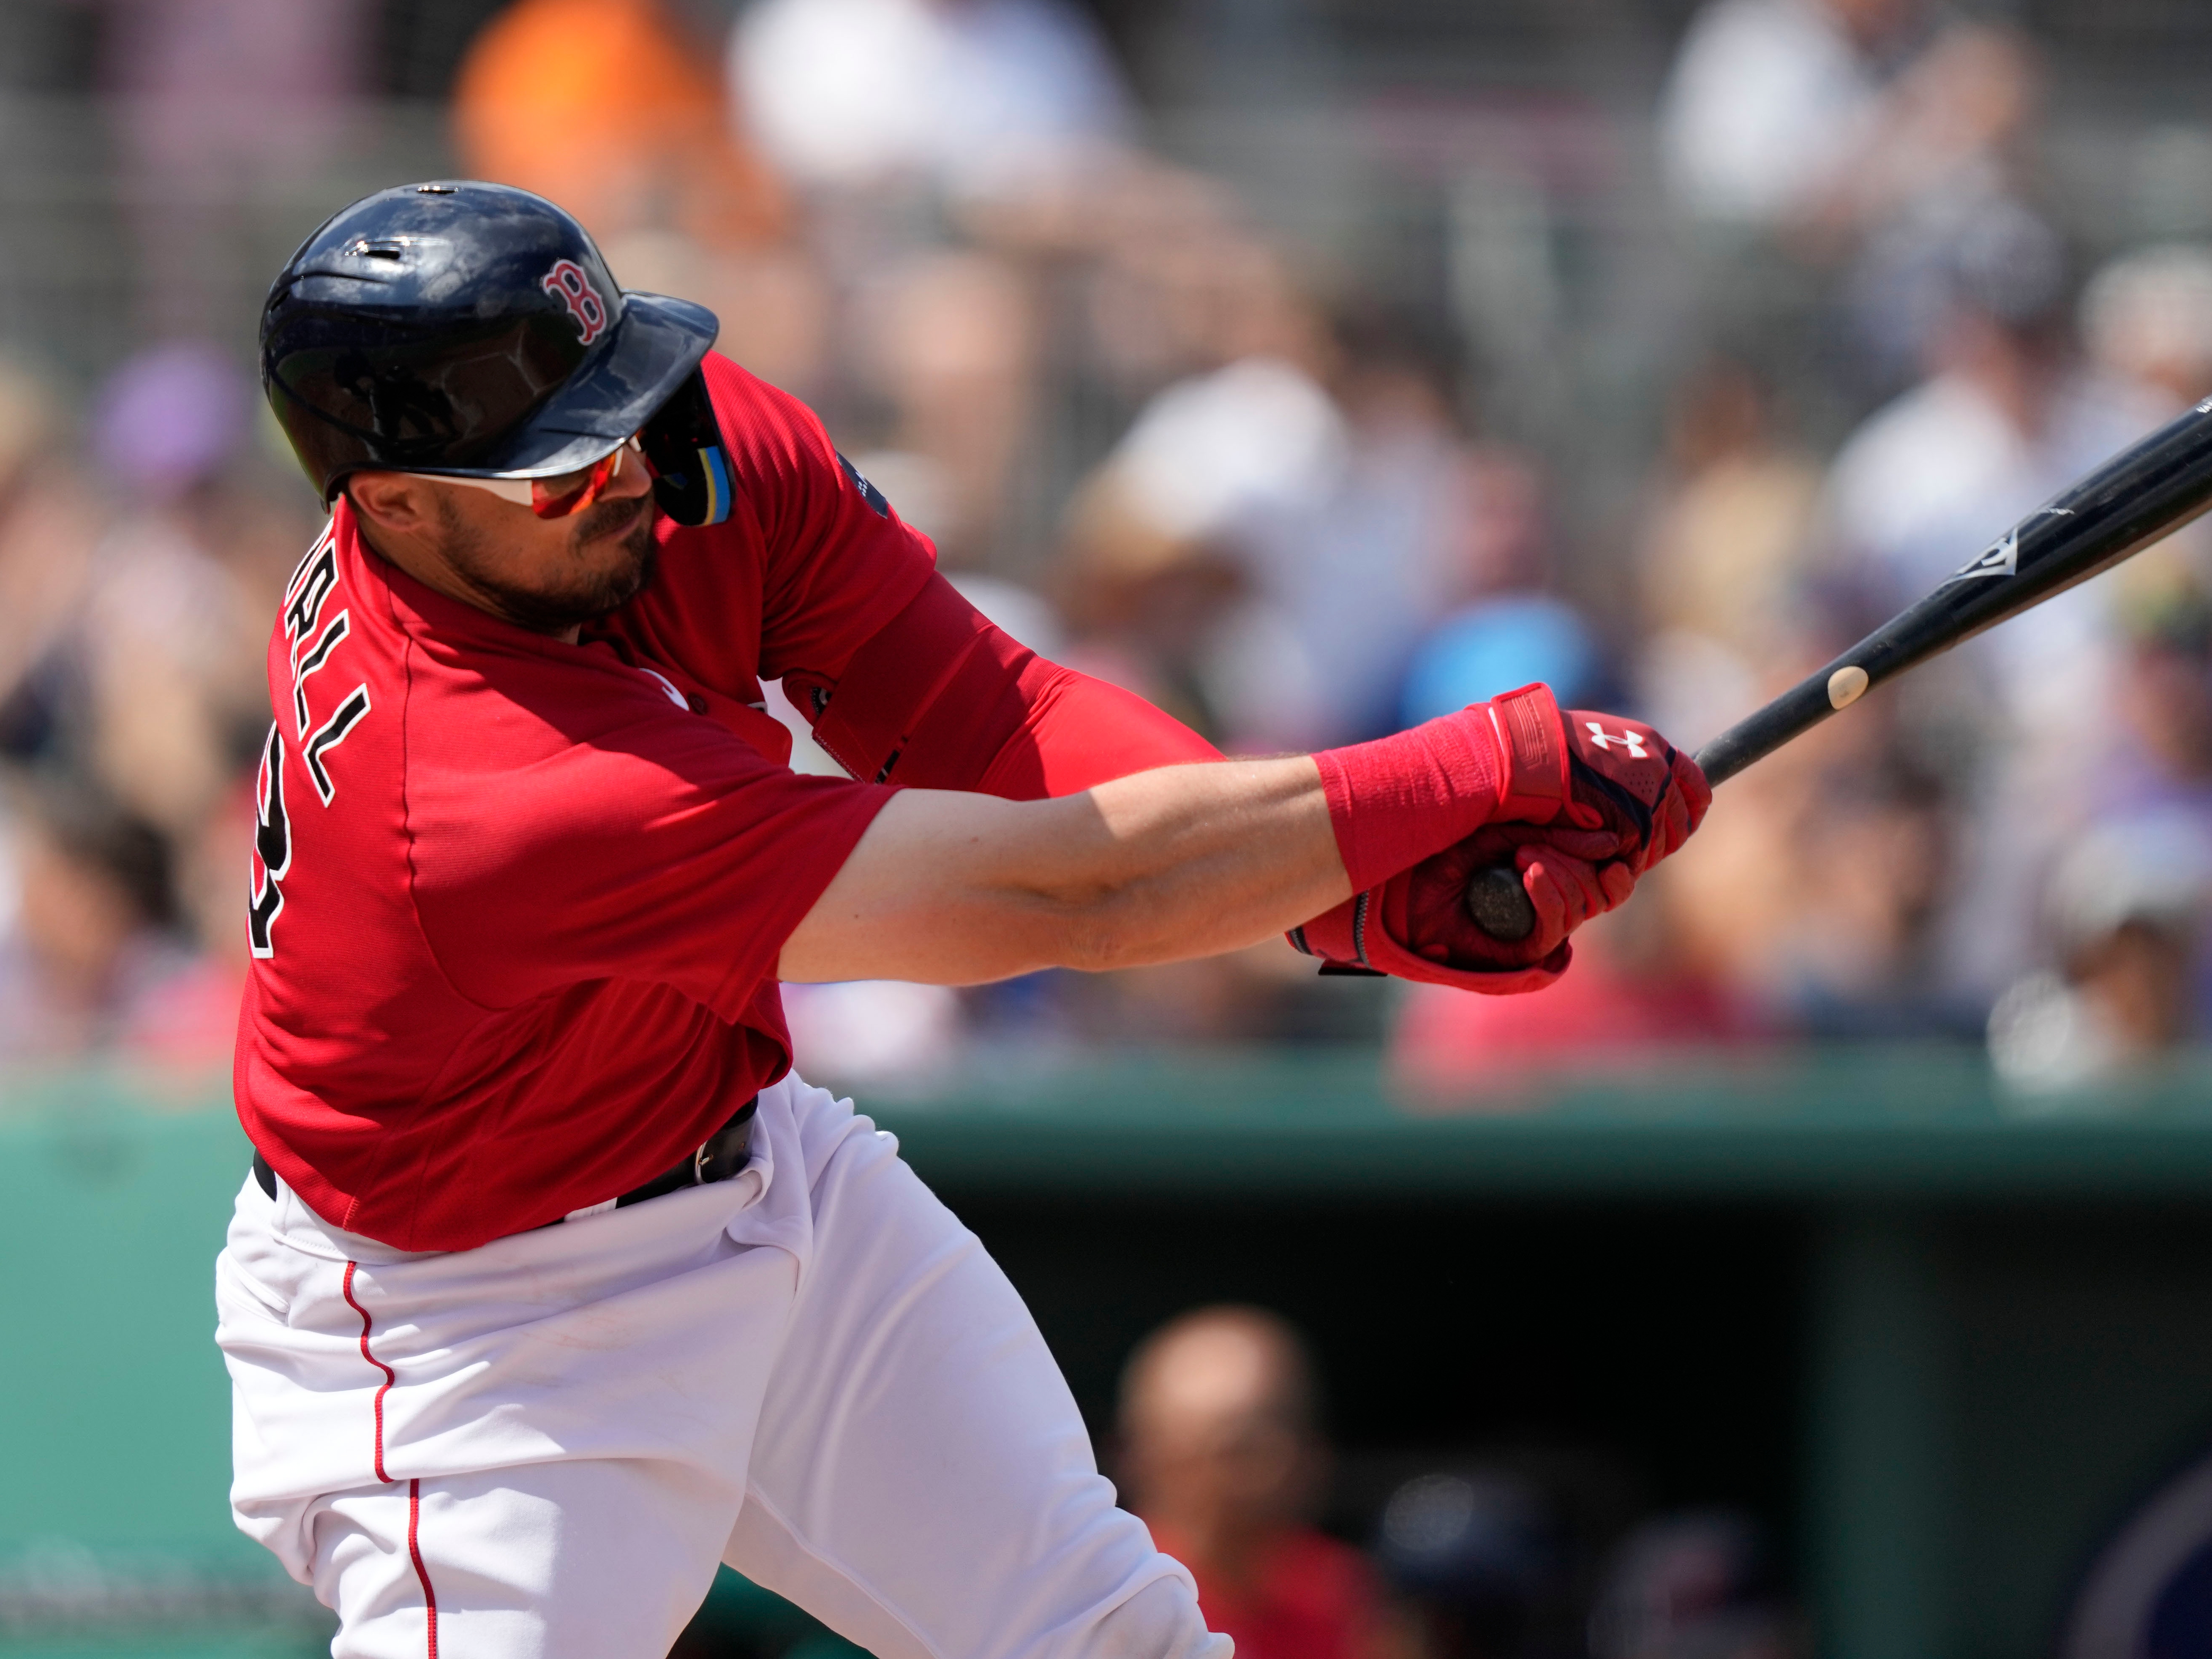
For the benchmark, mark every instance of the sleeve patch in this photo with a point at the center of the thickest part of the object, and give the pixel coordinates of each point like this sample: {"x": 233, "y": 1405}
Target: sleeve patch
{"x": 869, "y": 493}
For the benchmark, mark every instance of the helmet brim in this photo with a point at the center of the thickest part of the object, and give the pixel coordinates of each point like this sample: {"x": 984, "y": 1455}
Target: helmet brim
{"x": 656, "y": 344}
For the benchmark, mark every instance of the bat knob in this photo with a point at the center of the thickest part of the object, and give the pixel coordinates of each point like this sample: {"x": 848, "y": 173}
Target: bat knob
{"x": 1498, "y": 904}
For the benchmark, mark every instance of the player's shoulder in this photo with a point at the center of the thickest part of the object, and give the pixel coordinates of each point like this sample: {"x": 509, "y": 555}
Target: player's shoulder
{"x": 757, "y": 418}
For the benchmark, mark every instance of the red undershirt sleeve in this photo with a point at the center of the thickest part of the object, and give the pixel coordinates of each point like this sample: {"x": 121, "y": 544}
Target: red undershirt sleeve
{"x": 939, "y": 698}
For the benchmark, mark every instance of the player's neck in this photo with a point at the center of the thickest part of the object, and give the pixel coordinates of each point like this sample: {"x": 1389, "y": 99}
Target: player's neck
{"x": 427, "y": 565}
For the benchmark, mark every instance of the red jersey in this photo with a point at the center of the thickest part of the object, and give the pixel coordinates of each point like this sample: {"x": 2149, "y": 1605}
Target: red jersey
{"x": 518, "y": 904}
{"x": 1311, "y": 1597}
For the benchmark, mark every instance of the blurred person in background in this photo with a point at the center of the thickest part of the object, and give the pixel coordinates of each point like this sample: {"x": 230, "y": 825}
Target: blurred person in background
{"x": 1834, "y": 122}
{"x": 222, "y": 107}
{"x": 93, "y": 961}
{"x": 1717, "y": 564}
{"x": 2146, "y": 322}
{"x": 1220, "y": 1455}
{"x": 1271, "y": 537}
{"x": 159, "y": 674}
{"x": 967, "y": 98}
{"x": 1157, "y": 594}
{"x": 1948, "y": 154}
{"x": 925, "y": 136}
{"x": 1481, "y": 1566}
{"x": 1698, "y": 1585}
{"x": 614, "y": 108}
{"x": 2160, "y": 759}
{"x": 2125, "y": 909}
{"x": 1830, "y": 152}
{"x": 2123, "y": 904}
{"x": 1769, "y": 101}
{"x": 2006, "y": 417}
{"x": 610, "y": 106}
{"x": 49, "y": 524}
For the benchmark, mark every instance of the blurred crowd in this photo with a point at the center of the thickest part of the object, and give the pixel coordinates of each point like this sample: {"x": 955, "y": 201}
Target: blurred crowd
{"x": 1220, "y": 1448}
{"x": 1165, "y": 443}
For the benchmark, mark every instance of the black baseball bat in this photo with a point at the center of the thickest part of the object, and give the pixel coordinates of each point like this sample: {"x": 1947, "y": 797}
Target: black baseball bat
{"x": 2142, "y": 494}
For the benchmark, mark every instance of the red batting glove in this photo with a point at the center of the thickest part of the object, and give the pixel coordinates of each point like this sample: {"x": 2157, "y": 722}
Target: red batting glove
{"x": 1416, "y": 925}
{"x": 1627, "y": 781}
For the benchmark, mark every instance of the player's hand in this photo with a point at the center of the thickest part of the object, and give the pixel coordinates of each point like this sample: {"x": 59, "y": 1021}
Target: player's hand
{"x": 1627, "y": 781}
{"x": 1416, "y": 925}
{"x": 1569, "y": 875}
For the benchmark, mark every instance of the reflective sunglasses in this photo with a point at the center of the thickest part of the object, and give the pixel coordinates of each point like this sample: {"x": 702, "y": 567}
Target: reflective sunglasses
{"x": 558, "y": 496}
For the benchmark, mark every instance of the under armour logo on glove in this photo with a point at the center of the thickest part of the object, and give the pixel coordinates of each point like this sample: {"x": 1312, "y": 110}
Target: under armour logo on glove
{"x": 1632, "y": 741}
{"x": 1631, "y": 782}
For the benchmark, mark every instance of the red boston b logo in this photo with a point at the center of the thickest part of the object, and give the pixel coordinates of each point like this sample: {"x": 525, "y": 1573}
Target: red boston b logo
{"x": 567, "y": 283}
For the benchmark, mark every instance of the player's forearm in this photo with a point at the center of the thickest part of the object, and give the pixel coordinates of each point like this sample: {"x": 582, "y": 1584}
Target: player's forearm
{"x": 1180, "y": 862}
{"x": 1188, "y": 860}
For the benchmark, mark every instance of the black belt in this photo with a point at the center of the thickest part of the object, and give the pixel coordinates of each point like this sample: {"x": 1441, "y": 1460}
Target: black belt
{"x": 721, "y": 1156}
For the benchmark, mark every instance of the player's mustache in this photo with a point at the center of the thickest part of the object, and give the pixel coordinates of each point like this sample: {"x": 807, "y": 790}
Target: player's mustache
{"x": 612, "y": 518}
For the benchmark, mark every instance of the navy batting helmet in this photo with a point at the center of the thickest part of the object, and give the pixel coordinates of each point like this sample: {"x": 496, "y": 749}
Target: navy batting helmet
{"x": 473, "y": 331}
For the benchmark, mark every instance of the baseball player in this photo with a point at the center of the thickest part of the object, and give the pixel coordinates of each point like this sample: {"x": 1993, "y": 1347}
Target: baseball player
{"x": 552, "y": 1286}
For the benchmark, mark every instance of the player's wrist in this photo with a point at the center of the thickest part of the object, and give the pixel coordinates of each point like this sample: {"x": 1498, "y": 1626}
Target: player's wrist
{"x": 1399, "y": 799}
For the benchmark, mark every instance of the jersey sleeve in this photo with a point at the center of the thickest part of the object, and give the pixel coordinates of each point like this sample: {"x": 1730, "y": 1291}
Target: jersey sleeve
{"x": 941, "y": 698}
{"x": 837, "y": 562}
{"x": 661, "y": 847}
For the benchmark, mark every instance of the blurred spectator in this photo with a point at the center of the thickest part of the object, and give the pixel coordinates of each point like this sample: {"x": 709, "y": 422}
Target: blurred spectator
{"x": 2005, "y": 419}
{"x": 94, "y": 962}
{"x": 1721, "y": 555}
{"x": 2147, "y": 320}
{"x": 1694, "y": 1586}
{"x": 1769, "y": 101}
{"x": 1271, "y": 538}
{"x": 608, "y": 107}
{"x": 1943, "y": 163}
{"x": 974, "y": 97}
{"x": 1858, "y": 955}
{"x": 2126, "y": 909}
{"x": 1481, "y": 1564}
{"x": 2160, "y": 758}
{"x": 1156, "y": 582}
{"x": 2001, "y": 421}
{"x": 1834, "y": 121}
{"x": 48, "y": 525}
{"x": 947, "y": 338}
{"x": 220, "y": 105}
{"x": 165, "y": 695}
{"x": 1497, "y": 644}
{"x": 1221, "y": 1455}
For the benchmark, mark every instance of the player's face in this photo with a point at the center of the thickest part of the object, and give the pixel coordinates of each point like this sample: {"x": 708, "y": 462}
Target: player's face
{"x": 550, "y": 574}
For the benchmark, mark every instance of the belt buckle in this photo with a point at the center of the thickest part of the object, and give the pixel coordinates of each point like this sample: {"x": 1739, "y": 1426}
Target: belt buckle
{"x": 699, "y": 1162}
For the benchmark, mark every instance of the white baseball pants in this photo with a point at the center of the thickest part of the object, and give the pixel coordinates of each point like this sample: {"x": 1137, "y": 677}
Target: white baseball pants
{"x": 543, "y": 1446}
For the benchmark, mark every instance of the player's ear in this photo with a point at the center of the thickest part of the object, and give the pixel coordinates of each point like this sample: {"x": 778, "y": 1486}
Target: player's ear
{"x": 392, "y": 499}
